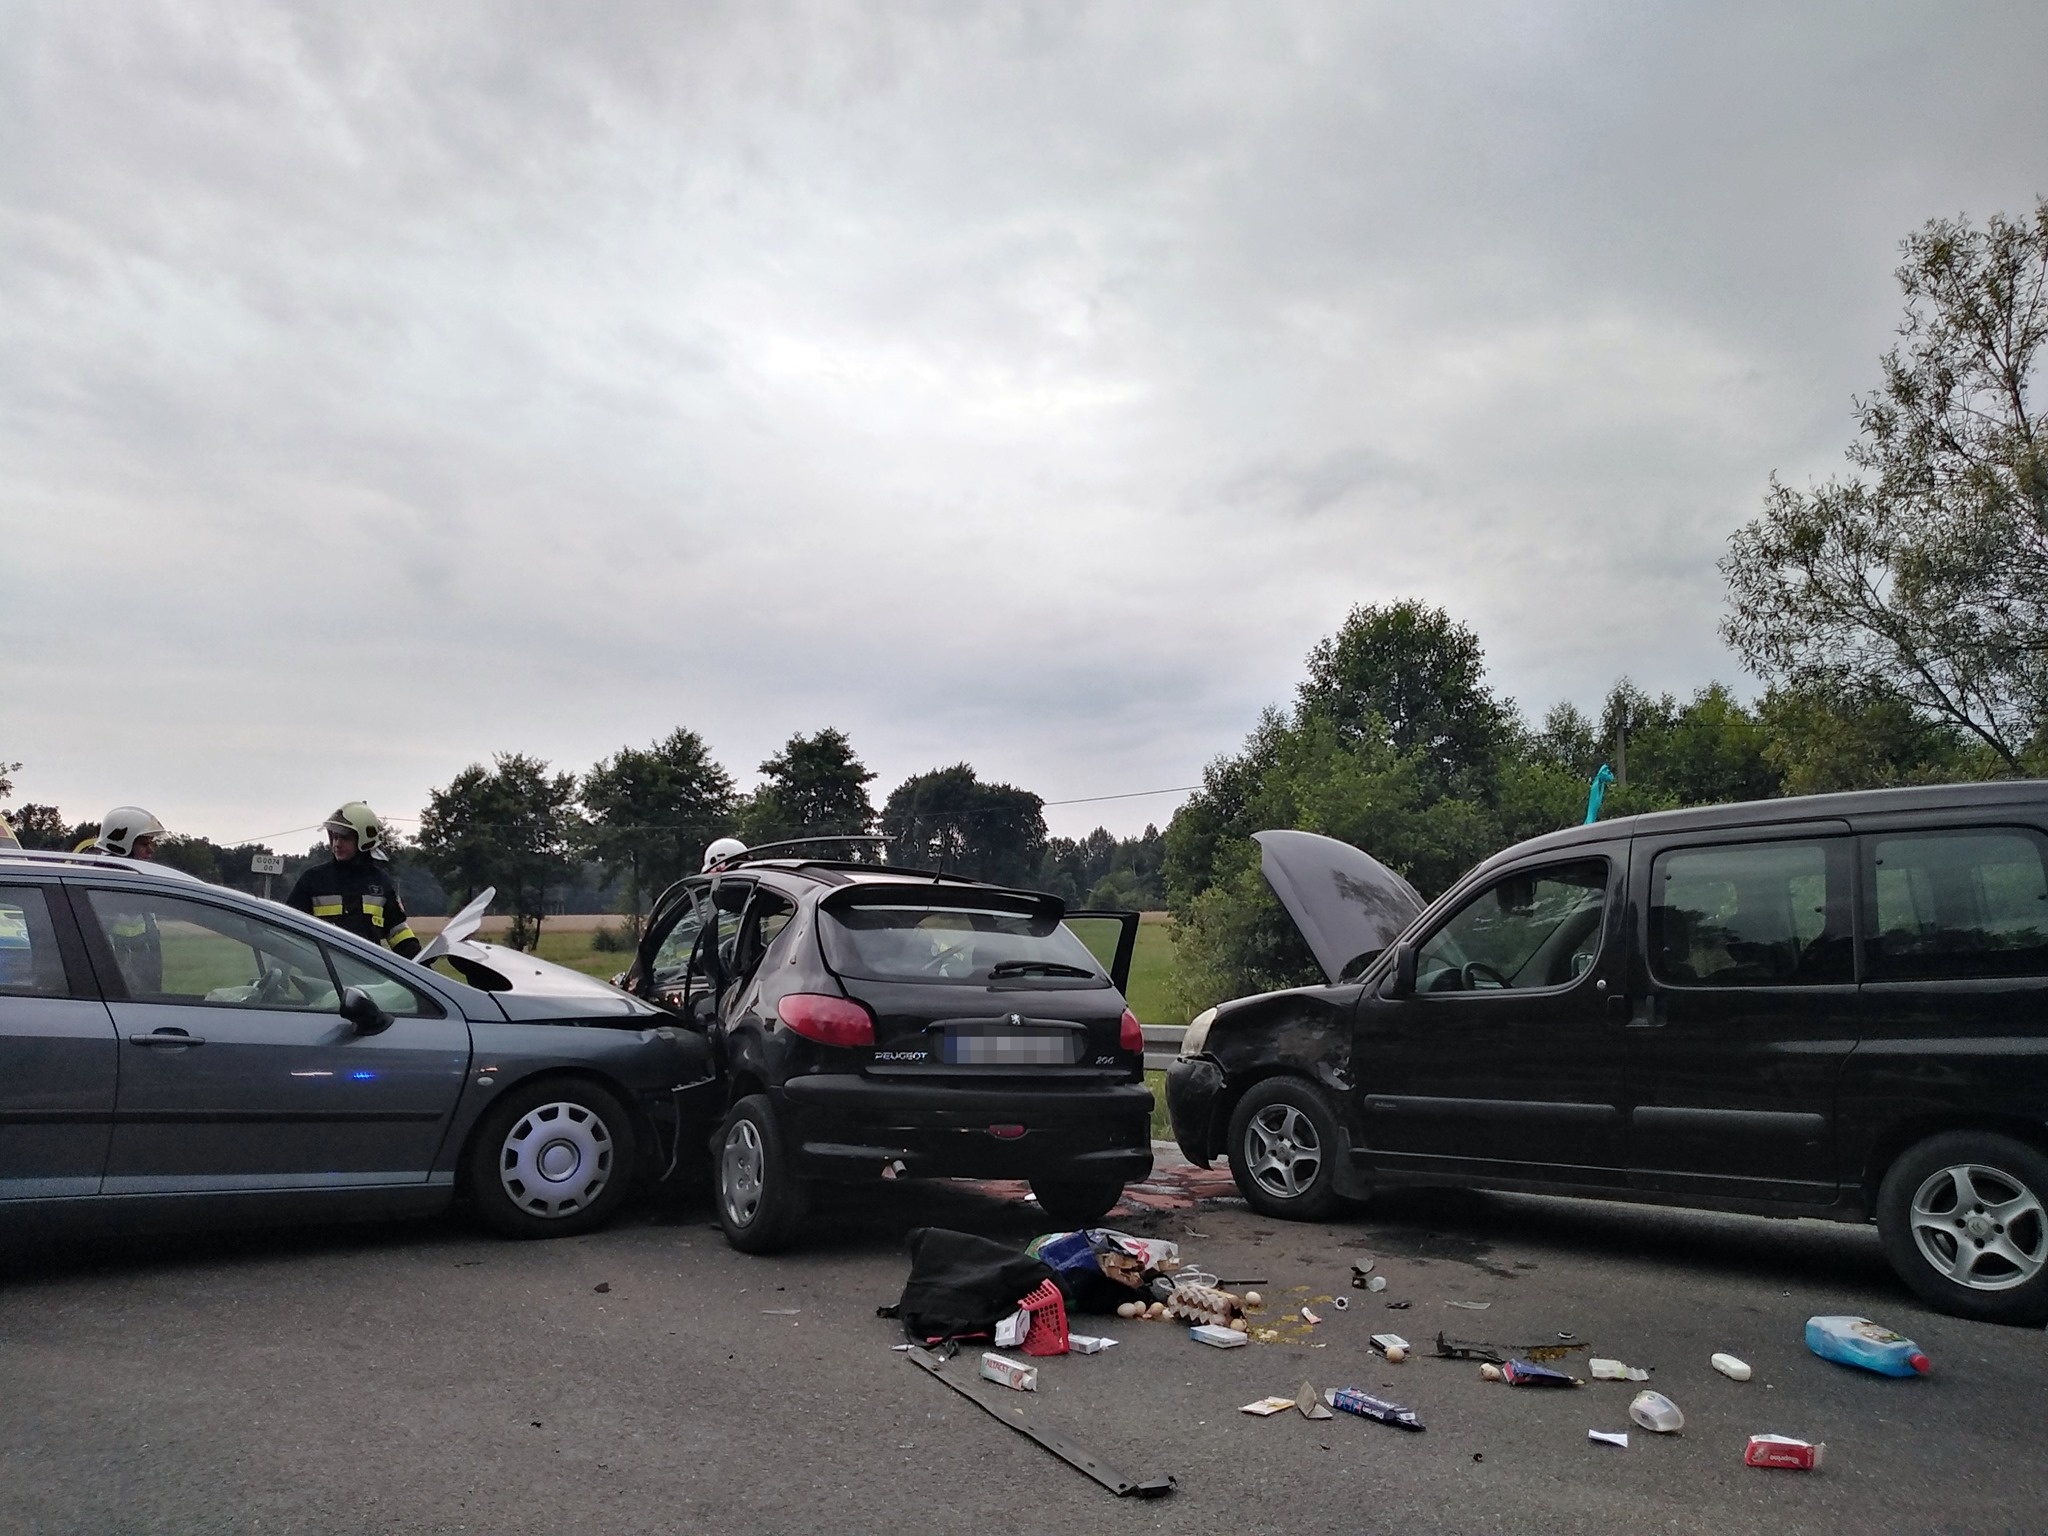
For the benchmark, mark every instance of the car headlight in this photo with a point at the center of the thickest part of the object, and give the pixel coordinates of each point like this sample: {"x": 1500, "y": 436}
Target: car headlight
{"x": 1196, "y": 1040}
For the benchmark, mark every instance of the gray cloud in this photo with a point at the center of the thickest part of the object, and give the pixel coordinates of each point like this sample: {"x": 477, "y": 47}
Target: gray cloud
{"x": 1031, "y": 384}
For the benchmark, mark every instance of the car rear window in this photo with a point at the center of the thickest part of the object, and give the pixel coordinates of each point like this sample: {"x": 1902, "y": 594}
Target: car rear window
{"x": 1958, "y": 903}
{"x": 913, "y": 939}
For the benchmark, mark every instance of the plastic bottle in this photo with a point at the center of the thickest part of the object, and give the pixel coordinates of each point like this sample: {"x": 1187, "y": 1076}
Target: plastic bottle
{"x": 1859, "y": 1341}
{"x": 1656, "y": 1413}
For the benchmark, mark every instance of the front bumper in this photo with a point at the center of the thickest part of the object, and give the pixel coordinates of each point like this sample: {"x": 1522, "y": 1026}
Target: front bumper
{"x": 845, "y": 1127}
{"x": 1193, "y": 1086}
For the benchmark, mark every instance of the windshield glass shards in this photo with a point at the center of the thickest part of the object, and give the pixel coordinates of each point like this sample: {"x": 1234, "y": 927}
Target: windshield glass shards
{"x": 918, "y": 940}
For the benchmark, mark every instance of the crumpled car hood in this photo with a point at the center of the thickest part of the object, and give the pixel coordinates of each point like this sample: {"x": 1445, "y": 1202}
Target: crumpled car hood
{"x": 1346, "y": 903}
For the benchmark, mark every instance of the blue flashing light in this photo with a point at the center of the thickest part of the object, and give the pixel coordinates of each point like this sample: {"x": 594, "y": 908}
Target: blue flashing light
{"x": 363, "y": 1076}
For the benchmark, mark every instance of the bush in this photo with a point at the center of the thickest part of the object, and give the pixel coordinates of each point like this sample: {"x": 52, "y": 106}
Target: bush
{"x": 615, "y": 941}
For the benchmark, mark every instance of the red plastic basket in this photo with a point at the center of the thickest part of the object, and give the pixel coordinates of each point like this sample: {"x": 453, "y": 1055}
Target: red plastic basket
{"x": 1047, "y": 1334}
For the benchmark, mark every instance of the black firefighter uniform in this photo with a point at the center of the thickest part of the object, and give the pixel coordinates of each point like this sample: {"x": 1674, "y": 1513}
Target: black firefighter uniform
{"x": 358, "y": 895}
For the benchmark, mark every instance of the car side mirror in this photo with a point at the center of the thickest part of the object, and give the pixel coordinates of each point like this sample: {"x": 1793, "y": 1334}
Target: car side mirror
{"x": 1401, "y": 980}
{"x": 362, "y": 1012}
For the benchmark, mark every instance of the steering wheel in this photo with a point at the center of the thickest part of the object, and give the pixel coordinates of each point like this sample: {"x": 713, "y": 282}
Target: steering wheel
{"x": 274, "y": 982}
{"x": 1473, "y": 970}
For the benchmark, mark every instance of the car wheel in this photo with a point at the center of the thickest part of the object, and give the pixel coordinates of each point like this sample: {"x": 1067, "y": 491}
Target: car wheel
{"x": 552, "y": 1159}
{"x": 759, "y": 1197}
{"x": 1073, "y": 1206}
{"x": 1963, "y": 1221}
{"x": 1283, "y": 1149}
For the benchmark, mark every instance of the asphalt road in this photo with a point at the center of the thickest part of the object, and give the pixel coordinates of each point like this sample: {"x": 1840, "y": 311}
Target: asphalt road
{"x": 429, "y": 1378}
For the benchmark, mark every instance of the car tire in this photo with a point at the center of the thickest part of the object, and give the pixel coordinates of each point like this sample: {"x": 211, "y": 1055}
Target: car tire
{"x": 1283, "y": 1150}
{"x": 1074, "y": 1206}
{"x": 552, "y": 1159}
{"x": 1963, "y": 1217}
{"x": 759, "y": 1198}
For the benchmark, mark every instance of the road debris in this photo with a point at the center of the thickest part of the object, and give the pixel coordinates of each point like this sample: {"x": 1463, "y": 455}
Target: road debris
{"x": 1527, "y": 1373}
{"x": 1609, "y": 1437}
{"x": 1376, "y": 1283}
{"x": 1089, "y": 1344}
{"x": 1729, "y": 1366}
{"x": 1311, "y": 1318}
{"x": 1014, "y": 1374}
{"x": 1310, "y": 1405}
{"x": 1783, "y": 1451}
{"x": 1341, "y": 1303}
{"x": 1266, "y": 1407}
{"x": 1066, "y": 1450}
{"x": 1470, "y": 1306}
{"x": 1859, "y": 1341}
{"x": 1656, "y": 1413}
{"x": 1366, "y": 1406}
{"x": 1219, "y": 1337}
{"x": 1614, "y": 1370}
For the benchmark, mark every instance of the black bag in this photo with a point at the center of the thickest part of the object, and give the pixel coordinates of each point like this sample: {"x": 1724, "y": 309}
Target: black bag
{"x": 961, "y": 1286}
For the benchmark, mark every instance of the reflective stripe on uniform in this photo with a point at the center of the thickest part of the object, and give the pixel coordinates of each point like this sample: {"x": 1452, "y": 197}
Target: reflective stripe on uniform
{"x": 329, "y": 907}
{"x": 373, "y": 909}
{"x": 404, "y": 932}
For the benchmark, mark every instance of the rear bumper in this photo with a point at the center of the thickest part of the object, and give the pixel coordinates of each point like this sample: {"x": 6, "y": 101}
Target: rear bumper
{"x": 847, "y": 1127}
{"x": 1193, "y": 1086}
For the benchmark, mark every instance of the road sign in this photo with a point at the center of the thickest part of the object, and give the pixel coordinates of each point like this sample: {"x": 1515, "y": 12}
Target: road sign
{"x": 266, "y": 864}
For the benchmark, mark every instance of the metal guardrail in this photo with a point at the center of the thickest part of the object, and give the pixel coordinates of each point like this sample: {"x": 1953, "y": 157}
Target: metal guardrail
{"x": 1162, "y": 1044}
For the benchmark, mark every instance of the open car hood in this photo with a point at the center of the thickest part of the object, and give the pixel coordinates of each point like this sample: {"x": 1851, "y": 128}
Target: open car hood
{"x": 1347, "y": 904}
{"x": 497, "y": 969}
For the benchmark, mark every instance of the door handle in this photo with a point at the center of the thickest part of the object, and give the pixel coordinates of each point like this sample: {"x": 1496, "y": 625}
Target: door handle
{"x": 1646, "y": 1015}
{"x": 164, "y": 1037}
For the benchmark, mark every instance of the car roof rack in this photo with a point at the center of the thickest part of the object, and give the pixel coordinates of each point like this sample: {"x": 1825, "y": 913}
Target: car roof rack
{"x": 107, "y": 861}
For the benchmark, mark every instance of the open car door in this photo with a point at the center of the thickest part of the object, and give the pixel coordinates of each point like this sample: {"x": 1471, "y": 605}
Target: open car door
{"x": 1111, "y": 937}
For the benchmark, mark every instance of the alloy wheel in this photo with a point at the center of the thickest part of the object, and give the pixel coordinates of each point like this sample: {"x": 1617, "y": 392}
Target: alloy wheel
{"x": 1282, "y": 1151}
{"x": 556, "y": 1160}
{"x": 1980, "y": 1227}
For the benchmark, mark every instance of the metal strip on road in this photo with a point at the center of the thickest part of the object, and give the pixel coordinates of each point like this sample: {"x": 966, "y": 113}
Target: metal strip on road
{"x": 1071, "y": 1454}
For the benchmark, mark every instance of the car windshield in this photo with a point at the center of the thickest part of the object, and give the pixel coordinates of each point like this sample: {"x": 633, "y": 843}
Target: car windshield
{"x": 919, "y": 941}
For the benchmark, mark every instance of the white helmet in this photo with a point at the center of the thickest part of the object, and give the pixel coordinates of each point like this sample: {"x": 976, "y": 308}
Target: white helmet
{"x": 723, "y": 850}
{"x": 121, "y": 827}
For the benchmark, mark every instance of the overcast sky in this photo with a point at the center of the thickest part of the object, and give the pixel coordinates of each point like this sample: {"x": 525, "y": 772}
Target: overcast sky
{"x": 386, "y": 385}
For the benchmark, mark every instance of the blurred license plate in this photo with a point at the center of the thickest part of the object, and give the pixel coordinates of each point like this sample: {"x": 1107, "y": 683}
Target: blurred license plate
{"x": 1010, "y": 1048}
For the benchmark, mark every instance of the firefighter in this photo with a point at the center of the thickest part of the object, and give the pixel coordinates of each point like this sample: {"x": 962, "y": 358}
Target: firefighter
{"x": 352, "y": 890}
{"x": 130, "y": 832}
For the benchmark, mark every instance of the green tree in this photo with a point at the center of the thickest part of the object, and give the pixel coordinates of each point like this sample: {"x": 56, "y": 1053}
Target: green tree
{"x": 950, "y": 820}
{"x": 816, "y": 787}
{"x": 1819, "y": 740}
{"x": 1923, "y": 575}
{"x": 42, "y": 826}
{"x": 512, "y": 825}
{"x": 1416, "y": 677}
{"x": 652, "y": 810}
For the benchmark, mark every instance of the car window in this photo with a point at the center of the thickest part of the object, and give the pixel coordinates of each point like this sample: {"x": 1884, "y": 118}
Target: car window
{"x": 1535, "y": 928}
{"x": 175, "y": 951}
{"x": 889, "y": 939}
{"x": 1958, "y": 903}
{"x": 389, "y": 993}
{"x": 30, "y": 965}
{"x": 672, "y": 955}
{"x": 1750, "y": 915}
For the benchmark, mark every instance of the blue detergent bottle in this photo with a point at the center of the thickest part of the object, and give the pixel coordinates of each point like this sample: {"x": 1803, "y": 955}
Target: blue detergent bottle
{"x": 1859, "y": 1341}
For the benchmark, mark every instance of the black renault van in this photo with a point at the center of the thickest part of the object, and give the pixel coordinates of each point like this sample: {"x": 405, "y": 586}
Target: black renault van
{"x": 1830, "y": 1006}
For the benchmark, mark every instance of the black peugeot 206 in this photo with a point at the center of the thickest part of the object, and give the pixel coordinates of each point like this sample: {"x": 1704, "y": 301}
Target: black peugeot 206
{"x": 868, "y": 1022}
{"x": 1831, "y": 1006}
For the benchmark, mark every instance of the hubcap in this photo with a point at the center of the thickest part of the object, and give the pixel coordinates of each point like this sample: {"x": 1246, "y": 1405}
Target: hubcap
{"x": 740, "y": 1168}
{"x": 1980, "y": 1227}
{"x": 1282, "y": 1151}
{"x": 556, "y": 1160}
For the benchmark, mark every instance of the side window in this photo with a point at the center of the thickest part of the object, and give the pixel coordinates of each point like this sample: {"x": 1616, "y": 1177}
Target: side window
{"x": 673, "y": 953}
{"x": 767, "y": 915}
{"x": 1535, "y": 928}
{"x": 1960, "y": 903}
{"x": 1751, "y": 915}
{"x": 29, "y": 963}
{"x": 386, "y": 991}
{"x": 174, "y": 951}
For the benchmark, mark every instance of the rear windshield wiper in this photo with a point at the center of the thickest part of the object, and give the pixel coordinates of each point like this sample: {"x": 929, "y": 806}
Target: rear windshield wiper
{"x": 1036, "y": 968}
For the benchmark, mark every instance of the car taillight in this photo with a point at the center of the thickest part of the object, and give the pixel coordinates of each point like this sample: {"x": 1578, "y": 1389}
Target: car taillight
{"x": 827, "y": 1020}
{"x": 1131, "y": 1036}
